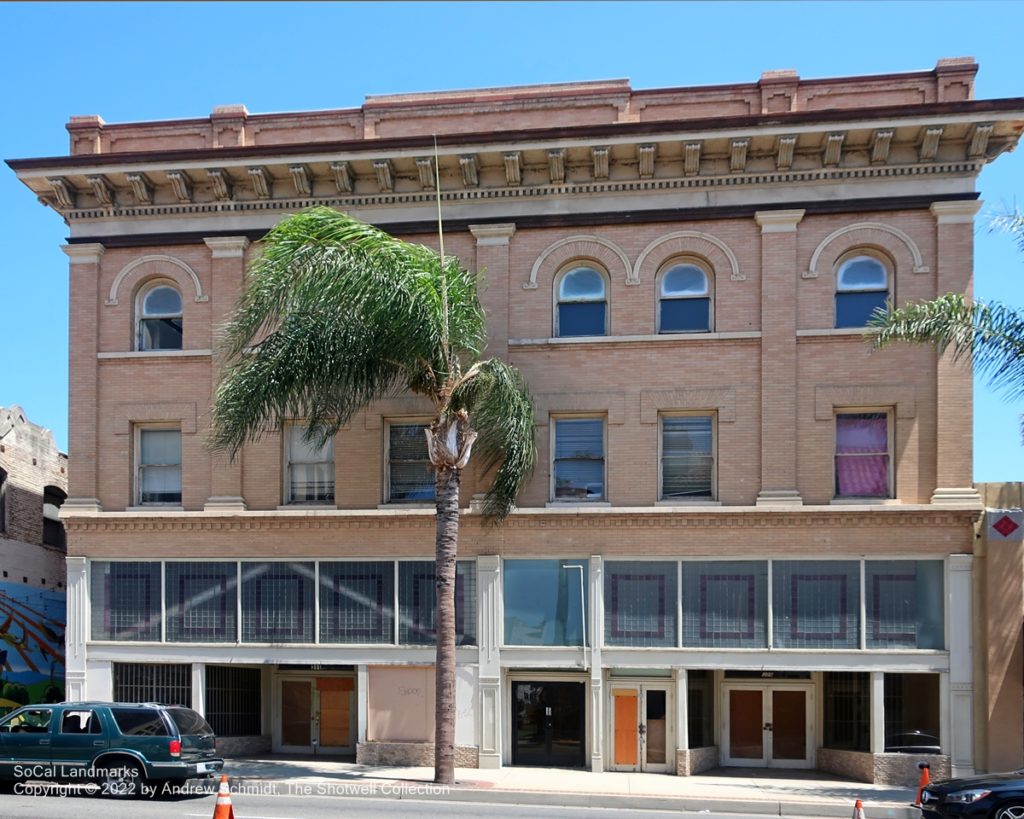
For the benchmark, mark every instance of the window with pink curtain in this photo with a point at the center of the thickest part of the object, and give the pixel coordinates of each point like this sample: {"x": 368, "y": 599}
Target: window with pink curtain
{"x": 862, "y": 455}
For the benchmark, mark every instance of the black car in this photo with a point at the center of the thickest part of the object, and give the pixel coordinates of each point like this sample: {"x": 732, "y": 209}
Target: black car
{"x": 993, "y": 796}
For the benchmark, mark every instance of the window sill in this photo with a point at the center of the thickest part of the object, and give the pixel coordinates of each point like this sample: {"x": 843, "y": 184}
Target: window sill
{"x": 156, "y": 507}
{"x": 157, "y": 354}
{"x": 865, "y": 502}
{"x": 306, "y": 507}
{"x": 575, "y": 504}
{"x": 839, "y": 331}
{"x": 659, "y": 338}
{"x": 400, "y": 505}
{"x": 689, "y": 503}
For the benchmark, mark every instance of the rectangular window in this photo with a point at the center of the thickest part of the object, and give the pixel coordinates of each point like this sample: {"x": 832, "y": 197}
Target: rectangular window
{"x": 816, "y": 603}
{"x": 159, "y": 466}
{"x": 417, "y": 597}
{"x": 863, "y": 463}
{"x": 578, "y": 468}
{"x": 310, "y": 470}
{"x": 725, "y": 604}
{"x": 640, "y": 603}
{"x": 687, "y": 457}
{"x": 150, "y": 682}
{"x": 202, "y": 602}
{"x": 543, "y": 602}
{"x": 912, "y": 713}
{"x": 700, "y": 713}
{"x": 125, "y": 600}
{"x": 410, "y": 479}
{"x": 277, "y": 602}
{"x": 357, "y": 602}
{"x": 847, "y": 710}
{"x": 234, "y": 700}
{"x": 904, "y": 604}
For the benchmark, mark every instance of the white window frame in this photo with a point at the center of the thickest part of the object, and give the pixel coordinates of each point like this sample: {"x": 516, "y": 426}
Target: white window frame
{"x": 140, "y": 314}
{"x": 855, "y": 253}
{"x": 565, "y": 270}
{"x": 552, "y": 427}
{"x": 426, "y": 422}
{"x": 890, "y": 416}
{"x": 714, "y": 457}
{"x": 709, "y": 273}
{"x": 286, "y": 462}
{"x": 137, "y": 465}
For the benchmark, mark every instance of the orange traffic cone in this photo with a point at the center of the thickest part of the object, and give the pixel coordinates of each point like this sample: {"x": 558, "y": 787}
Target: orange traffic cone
{"x": 224, "y": 809}
{"x": 926, "y": 780}
{"x": 858, "y": 810}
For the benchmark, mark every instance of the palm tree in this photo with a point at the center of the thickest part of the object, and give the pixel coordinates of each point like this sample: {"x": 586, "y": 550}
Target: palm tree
{"x": 990, "y": 335}
{"x": 337, "y": 314}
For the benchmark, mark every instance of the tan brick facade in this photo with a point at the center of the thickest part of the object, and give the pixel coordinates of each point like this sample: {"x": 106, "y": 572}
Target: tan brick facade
{"x": 769, "y": 186}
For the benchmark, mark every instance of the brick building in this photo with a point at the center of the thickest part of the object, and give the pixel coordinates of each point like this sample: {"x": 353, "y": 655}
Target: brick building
{"x": 749, "y": 540}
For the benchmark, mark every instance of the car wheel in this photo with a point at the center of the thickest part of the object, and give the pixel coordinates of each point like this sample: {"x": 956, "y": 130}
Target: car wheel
{"x": 1014, "y": 810}
{"x": 122, "y": 779}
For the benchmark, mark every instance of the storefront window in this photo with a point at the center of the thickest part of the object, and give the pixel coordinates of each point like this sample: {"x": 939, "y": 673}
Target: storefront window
{"x": 640, "y": 603}
{"x": 912, "y": 713}
{"x": 357, "y": 602}
{"x": 543, "y": 603}
{"x": 202, "y": 601}
{"x": 847, "y": 710}
{"x": 417, "y": 594}
{"x": 700, "y": 709}
{"x": 725, "y": 604}
{"x": 125, "y": 600}
{"x": 904, "y": 603}
{"x": 277, "y": 602}
{"x": 816, "y": 603}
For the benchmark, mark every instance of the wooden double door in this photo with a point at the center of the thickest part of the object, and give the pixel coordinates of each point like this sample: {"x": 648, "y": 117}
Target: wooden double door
{"x": 768, "y": 726}
{"x": 317, "y": 715}
{"x": 642, "y": 727}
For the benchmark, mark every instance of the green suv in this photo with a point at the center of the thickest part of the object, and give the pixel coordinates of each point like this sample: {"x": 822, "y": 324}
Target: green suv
{"x": 127, "y": 749}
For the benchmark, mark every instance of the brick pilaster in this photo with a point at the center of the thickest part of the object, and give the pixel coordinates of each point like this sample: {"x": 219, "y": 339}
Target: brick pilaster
{"x": 492, "y": 257}
{"x": 778, "y": 356}
{"x": 954, "y": 467}
{"x": 227, "y": 274}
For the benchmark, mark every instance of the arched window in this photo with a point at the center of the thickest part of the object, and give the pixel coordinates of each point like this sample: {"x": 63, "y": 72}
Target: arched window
{"x": 582, "y": 303}
{"x": 862, "y": 286}
{"x": 53, "y": 529}
{"x": 159, "y": 314}
{"x": 684, "y": 302}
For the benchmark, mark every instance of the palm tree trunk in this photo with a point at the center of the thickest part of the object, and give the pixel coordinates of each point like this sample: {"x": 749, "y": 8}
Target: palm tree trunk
{"x": 447, "y": 491}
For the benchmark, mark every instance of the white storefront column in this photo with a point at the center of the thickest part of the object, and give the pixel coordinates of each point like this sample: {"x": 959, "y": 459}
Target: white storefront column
{"x": 682, "y": 684}
{"x": 362, "y": 702}
{"x": 488, "y": 572}
{"x": 199, "y": 688}
{"x": 956, "y": 689}
{"x": 76, "y": 629}
{"x": 596, "y": 595}
{"x": 877, "y": 712}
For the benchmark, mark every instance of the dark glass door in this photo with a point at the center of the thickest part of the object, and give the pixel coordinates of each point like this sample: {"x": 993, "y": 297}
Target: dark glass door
{"x": 548, "y": 724}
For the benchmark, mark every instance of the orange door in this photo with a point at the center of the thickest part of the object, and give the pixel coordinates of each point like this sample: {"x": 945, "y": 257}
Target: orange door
{"x": 627, "y": 738}
{"x": 335, "y": 711}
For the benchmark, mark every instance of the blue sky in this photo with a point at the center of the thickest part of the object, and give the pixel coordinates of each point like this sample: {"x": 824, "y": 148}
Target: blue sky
{"x": 138, "y": 61}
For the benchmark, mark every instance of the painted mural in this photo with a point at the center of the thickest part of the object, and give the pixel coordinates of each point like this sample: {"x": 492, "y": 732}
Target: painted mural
{"x": 31, "y": 645}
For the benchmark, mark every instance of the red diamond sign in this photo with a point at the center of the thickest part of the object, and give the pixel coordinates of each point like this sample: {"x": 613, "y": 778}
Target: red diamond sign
{"x": 1005, "y": 525}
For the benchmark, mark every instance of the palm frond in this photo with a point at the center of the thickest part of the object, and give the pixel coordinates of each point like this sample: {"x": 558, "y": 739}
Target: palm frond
{"x": 1009, "y": 220}
{"x": 989, "y": 335}
{"x": 501, "y": 411}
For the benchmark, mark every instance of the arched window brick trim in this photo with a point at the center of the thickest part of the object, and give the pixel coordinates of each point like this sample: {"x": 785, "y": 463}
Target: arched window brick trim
{"x": 892, "y": 241}
{"x": 718, "y": 254}
{"x": 136, "y": 272}
{"x": 554, "y": 258}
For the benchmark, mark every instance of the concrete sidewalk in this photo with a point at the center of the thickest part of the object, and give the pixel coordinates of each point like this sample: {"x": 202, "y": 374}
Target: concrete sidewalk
{"x": 773, "y": 792}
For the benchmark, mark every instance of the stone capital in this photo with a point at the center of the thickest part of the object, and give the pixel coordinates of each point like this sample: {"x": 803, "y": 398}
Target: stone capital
{"x": 499, "y": 234}
{"x": 778, "y": 221}
{"x": 953, "y": 213}
{"x": 227, "y": 247}
{"x": 85, "y": 253}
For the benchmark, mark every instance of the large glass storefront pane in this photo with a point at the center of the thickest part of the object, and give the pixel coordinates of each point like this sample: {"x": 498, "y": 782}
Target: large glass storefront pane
{"x": 202, "y": 602}
{"x": 904, "y": 603}
{"x": 544, "y": 602}
{"x": 725, "y": 603}
{"x": 847, "y": 710}
{"x": 912, "y": 713}
{"x": 417, "y": 595}
{"x": 640, "y": 603}
{"x": 357, "y": 602}
{"x": 277, "y": 602}
{"x": 816, "y": 603}
{"x": 125, "y": 598}
{"x": 700, "y": 709}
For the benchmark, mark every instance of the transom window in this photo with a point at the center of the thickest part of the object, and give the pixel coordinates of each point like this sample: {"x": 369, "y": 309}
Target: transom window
{"x": 578, "y": 468}
{"x": 410, "y": 479}
{"x": 687, "y": 457}
{"x": 310, "y": 476}
{"x": 582, "y": 303}
{"x": 160, "y": 321}
{"x": 862, "y": 286}
{"x": 684, "y": 304}
{"x": 863, "y": 447}
{"x": 159, "y": 466}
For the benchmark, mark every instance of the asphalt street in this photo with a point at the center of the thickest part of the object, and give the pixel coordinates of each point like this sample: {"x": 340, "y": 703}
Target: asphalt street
{"x": 316, "y": 804}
